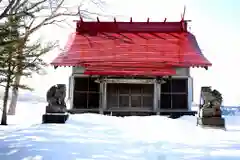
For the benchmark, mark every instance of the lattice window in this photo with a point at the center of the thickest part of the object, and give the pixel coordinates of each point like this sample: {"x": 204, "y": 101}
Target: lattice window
{"x": 174, "y": 94}
{"x": 86, "y": 93}
{"x": 130, "y": 95}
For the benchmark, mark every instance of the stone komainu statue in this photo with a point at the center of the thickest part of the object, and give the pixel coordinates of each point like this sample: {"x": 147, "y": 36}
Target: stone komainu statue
{"x": 212, "y": 101}
{"x": 56, "y": 99}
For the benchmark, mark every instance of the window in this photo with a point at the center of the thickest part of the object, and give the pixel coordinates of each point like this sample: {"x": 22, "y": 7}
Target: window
{"x": 86, "y": 93}
{"x": 174, "y": 94}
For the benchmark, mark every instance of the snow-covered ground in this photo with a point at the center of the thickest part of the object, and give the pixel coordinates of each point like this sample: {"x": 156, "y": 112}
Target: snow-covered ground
{"x": 97, "y": 137}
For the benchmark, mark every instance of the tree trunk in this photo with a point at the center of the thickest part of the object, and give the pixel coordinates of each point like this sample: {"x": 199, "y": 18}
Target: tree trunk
{"x": 13, "y": 104}
{"x": 5, "y": 100}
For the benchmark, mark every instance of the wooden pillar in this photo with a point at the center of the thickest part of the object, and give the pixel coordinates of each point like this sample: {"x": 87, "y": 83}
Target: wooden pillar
{"x": 103, "y": 96}
{"x": 71, "y": 91}
{"x": 190, "y": 93}
{"x": 156, "y": 96}
{"x": 159, "y": 96}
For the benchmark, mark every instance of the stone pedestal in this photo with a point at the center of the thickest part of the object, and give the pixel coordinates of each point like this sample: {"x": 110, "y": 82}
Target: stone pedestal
{"x": 55, "y": 117}
{"x": 215, "y": 122}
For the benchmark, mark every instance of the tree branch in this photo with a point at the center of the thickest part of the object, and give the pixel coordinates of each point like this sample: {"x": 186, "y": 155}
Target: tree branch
{"x": 7, "y": 9}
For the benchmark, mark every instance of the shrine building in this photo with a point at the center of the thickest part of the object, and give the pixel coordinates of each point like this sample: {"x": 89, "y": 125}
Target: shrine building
{"x": 131, "y": 68}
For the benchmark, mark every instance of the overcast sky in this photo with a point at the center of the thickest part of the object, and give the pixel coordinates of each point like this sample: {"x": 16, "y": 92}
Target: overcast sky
{"x": 214, "y": 23}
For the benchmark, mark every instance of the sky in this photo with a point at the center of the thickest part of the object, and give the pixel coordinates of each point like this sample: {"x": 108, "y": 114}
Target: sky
{"x": 215, "y": 23}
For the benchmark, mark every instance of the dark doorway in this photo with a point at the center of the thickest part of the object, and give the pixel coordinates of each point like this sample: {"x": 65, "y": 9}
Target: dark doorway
{"x": 86, "y": 93}
{"x": 130, "y": 95}
{"x": 174, "y": 94}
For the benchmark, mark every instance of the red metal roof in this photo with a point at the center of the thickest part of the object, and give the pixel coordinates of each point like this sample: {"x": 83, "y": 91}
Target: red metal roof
{"x": 132, "y": 48}
{"x": 131, "y": 27}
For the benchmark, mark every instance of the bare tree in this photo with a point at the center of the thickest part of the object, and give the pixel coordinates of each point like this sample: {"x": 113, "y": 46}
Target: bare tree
{"x": 19, "y": 7}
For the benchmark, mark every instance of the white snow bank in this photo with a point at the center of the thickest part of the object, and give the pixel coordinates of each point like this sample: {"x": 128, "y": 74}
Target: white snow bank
{"x": 98, "y": 137}
{"x": 27, "y": 114}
